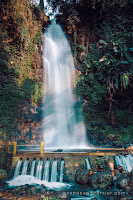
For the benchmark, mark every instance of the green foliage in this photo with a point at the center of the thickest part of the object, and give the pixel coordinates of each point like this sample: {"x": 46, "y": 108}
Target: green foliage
{"x": 17, "y": 53}
{"x": 37, "y": 97}
{"x": 123, "y": 133}
{"x": 9, "y": 94}
{"x": 37, "y": 38}
{"x": 105, "y": 81}
{"x": 125, "y": 80}
{"x": 3, "y": 174}
{"x": 28, "y": 88}
{"x": 20, "y": 20}
{"x": 87, "y": 87}
{"x": 31, "y": 89}
{"x": 100, "y": 160}
{"x": 31, "y": 48}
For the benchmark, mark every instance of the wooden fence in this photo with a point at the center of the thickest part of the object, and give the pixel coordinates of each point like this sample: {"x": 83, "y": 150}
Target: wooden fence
{"x": 14, "y": 148}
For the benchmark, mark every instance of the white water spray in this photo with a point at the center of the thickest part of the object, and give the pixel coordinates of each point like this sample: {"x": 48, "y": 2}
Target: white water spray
{"x": 61, "y": 170}
{"x": 87, "y": 164}
{"x": 125, "y": 161}
{"x": 25, "y": 167}
{"x": 39, "y": 170}
{"x": 63, "y": 127}
{"x": 17, "y": 169}
{"x": 46, "y": 170}
{"x": 54, "y": 171}
{"x": 33, "y": 167}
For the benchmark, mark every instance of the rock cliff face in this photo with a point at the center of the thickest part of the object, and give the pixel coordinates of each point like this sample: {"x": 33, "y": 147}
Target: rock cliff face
{"x": 28, "y": 125}
{"x": 21, "y": 72}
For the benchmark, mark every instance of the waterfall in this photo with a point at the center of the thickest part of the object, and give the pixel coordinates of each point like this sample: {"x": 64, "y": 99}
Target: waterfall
{"x": 61, "y": 170}
{"x": 25, "y": 167}
{"x": 125, "y": 161}
{"x": 33, "y": 167}
{"x": 62, "y": 125}
{"x": 39, "y": 169}
{"x": 17, "y": 169}
{"x": 118, "y": 160}
{"x": 54, "y": 171}
{"x": 87, "y": 164}
{"x": 46, "y": 170}
{"x": 130, "y": 162}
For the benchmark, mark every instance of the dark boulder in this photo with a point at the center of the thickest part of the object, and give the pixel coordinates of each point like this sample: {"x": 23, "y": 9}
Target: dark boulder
{"x": 123, "y": 181}
{"x": 82, "y": 175}
{"x": 101, "y": 180}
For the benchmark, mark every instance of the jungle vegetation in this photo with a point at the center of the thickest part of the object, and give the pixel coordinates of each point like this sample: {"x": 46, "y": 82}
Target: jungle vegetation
{"x": 101, "y": 39}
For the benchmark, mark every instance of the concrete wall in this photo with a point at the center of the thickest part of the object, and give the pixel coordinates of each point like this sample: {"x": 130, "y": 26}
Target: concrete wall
{"x": 72, "y": 161}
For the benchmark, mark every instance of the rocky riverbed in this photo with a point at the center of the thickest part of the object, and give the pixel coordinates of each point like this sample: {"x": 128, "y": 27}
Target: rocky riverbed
{"x": 98, "y": 185}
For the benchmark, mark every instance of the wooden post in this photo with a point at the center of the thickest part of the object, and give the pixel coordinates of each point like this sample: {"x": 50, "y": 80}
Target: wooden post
{"x": 14, "y": 148}
{"x": 42, "y": 148}
{"x": 111, "y": 165}
{"x": 8, "y": 147}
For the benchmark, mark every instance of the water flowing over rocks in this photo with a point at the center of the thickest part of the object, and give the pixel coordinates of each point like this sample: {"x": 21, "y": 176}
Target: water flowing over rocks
{"x": 84, "y": 178}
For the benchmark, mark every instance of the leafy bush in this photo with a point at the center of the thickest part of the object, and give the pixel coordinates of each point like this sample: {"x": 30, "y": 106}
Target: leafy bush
{"x": 37, "y": 38}
{"x": 100, "y": 160}
{"x": 31, "y": 48}
{"x": 31, "y": 89}
{"x": 105, "y": 79}
{"x": 28, "y": 88}
{"x": 37, "y": 96}
{"x": 3, "y": 174}
{"x": 20, "y": 19}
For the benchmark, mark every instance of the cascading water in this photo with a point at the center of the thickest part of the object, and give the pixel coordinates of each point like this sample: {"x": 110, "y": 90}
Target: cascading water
{"x": 17, "y": 169}
{"x": 36, "y": 178}
{"x": 125, "y": 161}
{"x": 87, "y": 164}
{"x": 61, "y": 170}
{"x": 46, "y": 170}
{"x": 62, "y": 126}
{"x": 25, "y": 167}
{"x": 54, "y": 171}
{"x": 39, "y": 169}
{"x": 33, "y": 167}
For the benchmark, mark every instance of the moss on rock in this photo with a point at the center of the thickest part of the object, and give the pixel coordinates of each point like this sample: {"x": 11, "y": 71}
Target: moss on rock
{"x": 3, "y": 174}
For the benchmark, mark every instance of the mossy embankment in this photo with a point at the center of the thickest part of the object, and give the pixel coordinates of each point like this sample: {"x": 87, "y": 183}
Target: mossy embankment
{"x": 20, "y": 67}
